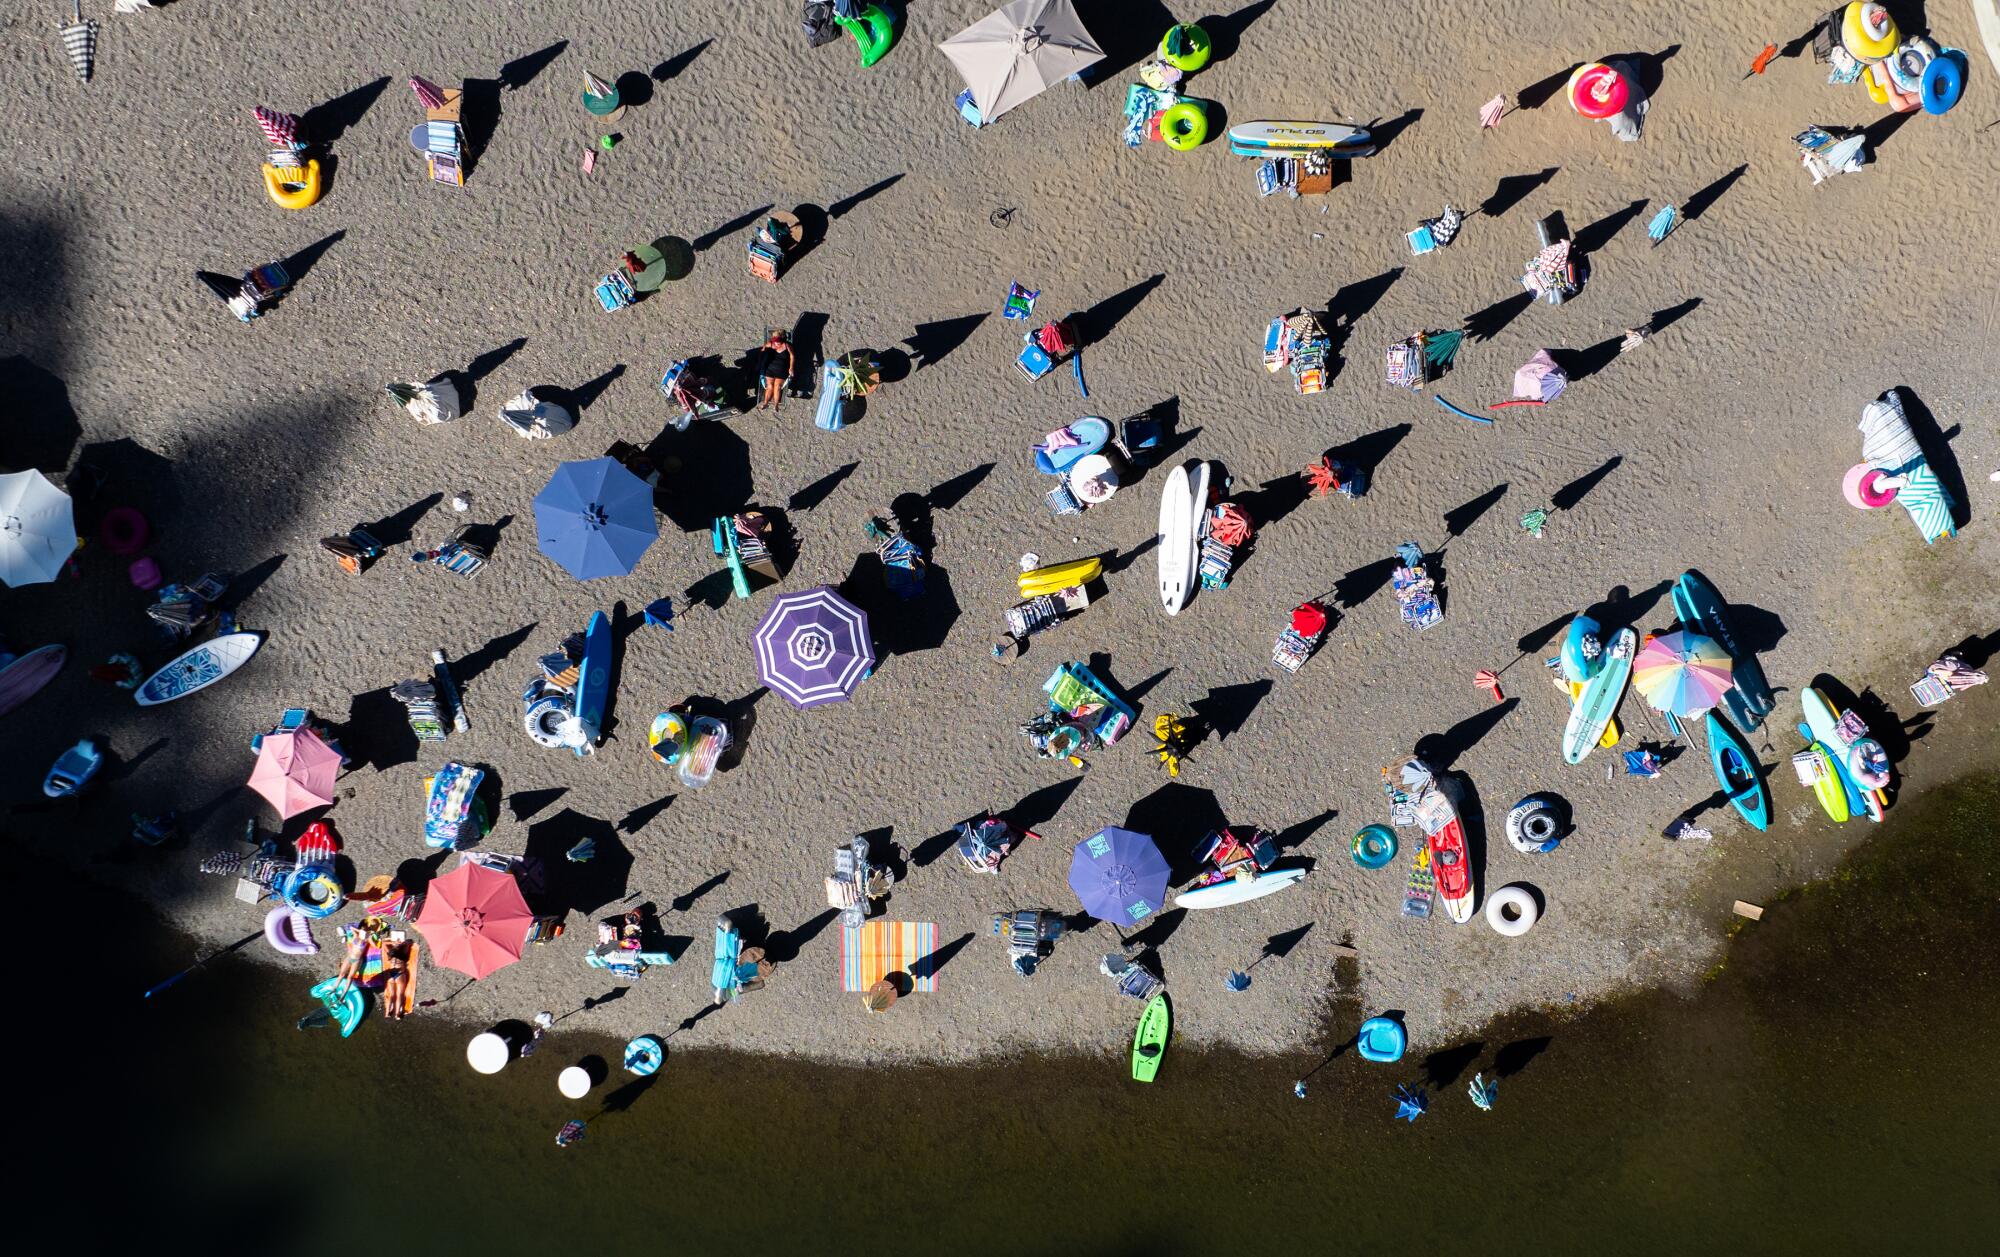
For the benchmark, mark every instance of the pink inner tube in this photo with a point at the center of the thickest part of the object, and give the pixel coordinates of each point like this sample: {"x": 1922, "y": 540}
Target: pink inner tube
{"x": 1860, "y": 489}
{"x": 123, "y": 530}
{"x": 289, "y": 932}
{"x": 1598, "y": 91}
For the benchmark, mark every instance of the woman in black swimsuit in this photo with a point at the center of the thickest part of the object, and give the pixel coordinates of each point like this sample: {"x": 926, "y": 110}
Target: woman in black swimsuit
{"x": 777, "y": 369}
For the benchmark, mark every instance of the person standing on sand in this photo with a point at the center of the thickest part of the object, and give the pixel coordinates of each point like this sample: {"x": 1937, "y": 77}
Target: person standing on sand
{"x": 776, "y": 369}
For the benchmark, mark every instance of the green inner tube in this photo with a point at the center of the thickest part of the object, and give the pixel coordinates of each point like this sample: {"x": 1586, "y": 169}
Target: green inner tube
{"x": 1184, "y": 127}
{"x": 1186, "y": 47}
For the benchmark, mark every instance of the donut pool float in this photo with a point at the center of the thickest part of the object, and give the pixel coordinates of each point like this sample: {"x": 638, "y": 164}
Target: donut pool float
{"x": 1943, "y": 82}
{"x": 313, "y": 891}
{"x": 1907, "y": 64}
{"x": 1598, "y": 91}
{"x": 1863, "y": 489}
{"x": 1868, "y": 32}
{"x": 1374, "y": 846}
{"x": 1184, "y": 127}
{"x": 123, "y": 530}
{"x": 1186, "y": 47}
{"x": 1869, "y": 763}
{"x": 1512, "y": 911}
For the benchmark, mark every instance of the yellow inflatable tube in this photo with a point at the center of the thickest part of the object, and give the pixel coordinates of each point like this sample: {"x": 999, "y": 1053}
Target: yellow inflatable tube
{"x": 293, "y": 187}
{"x": 1059, "y": 576}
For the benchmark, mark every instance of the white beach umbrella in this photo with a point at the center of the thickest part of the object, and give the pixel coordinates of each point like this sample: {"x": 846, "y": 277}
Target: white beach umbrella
{"x": 1011, "y": 54}
{"x": 37, "y": 529}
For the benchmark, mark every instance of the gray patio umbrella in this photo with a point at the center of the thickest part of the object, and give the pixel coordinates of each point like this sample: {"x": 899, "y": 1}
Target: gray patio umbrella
{"x": 1011, "y": 54}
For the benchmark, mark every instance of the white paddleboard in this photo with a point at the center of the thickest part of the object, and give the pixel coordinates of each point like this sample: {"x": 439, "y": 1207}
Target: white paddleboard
{"x": 1176, "y": 539}
{"x": 1222, "y": 894}
{"x": 23, "y": 676}
{"x": 199, "y": 668}
{"x": 1298, "y": 137}
{"x": 1599, "y": 701}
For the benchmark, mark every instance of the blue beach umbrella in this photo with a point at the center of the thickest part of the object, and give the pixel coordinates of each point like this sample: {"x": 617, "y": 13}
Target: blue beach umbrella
{"x": 1119, "y": 876}
{"x": 595, "y": 518}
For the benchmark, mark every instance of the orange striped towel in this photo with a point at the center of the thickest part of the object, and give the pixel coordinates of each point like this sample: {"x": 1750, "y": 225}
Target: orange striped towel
{"x": 879, "y": 948}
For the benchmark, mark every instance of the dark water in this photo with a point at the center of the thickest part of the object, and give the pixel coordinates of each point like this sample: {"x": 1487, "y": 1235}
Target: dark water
{"x": 1831, "y": 1087}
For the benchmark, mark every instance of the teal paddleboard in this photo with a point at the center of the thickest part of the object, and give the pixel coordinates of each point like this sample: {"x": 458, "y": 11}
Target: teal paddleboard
{"x": 1700, "y": 606}
{"x": 593, "y": 681}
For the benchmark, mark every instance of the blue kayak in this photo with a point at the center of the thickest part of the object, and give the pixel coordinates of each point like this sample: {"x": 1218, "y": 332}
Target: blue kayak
{"x": 1737, "y": 770}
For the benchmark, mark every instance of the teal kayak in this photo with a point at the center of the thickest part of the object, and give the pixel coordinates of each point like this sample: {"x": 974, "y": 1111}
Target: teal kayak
{"x": 1736, "y": 768}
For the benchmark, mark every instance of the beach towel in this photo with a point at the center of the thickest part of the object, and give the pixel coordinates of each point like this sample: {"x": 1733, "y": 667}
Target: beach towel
{"x": 871, "y": 952}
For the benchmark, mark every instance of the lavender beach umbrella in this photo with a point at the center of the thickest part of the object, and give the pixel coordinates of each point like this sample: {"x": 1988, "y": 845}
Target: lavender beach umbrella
{"x": 813, "y": 647}
{"x": 1119, "y": 876}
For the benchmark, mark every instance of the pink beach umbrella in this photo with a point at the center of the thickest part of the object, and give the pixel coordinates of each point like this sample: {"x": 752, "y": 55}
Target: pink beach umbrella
{"x": 295, "y": 772}
{"x": 1491, "y": 112}
{"x": 475, "y": 920}
{"x": 1540, "y": 379}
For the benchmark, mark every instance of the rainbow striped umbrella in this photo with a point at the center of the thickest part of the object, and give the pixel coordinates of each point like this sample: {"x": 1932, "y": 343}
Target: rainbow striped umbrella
{"x": 1683, "y": 673}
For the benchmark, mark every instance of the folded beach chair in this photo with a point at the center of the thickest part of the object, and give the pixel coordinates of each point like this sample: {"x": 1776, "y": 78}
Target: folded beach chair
{"x": 830, "y": 412}
{"x": 615, "y": 291}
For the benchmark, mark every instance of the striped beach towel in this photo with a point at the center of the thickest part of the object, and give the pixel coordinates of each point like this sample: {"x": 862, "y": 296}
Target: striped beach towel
{"x": 877, "y": 949}
{"x": 1924, "y": 496}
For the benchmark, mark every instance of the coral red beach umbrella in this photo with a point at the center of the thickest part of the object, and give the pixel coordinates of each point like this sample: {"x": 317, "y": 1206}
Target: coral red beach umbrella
{"x": 295, "y": 772}
{"x": 475, "y": 920}
{"x": 281, "y": 129}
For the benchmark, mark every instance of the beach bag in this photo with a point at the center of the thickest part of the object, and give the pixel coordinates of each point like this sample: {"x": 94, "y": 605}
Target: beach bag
{"x": 818, "y": 22}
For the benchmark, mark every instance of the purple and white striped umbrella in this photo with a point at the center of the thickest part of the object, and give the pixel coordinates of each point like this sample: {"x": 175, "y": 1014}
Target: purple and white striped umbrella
{"x": 813, "y": 647}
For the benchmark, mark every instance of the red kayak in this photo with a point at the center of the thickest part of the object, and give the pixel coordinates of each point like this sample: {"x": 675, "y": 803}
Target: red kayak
{"x": 1449, "y": 864}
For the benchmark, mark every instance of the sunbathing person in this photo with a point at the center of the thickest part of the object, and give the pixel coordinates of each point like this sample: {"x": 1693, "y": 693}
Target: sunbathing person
{"x": 396, "y": 991}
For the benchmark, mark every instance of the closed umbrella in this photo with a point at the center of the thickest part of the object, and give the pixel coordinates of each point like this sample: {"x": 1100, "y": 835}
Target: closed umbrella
{"x": 37, "y": 529}
{"x": 1683, "y": 673}
{"x": 79, "y": 40}
{"x": 595, "y": 518}
{"x": 813, "y": 647}
{"x": 295, "y": 772}
{"x": 475, "y": 920}
{"x": 1119, "y": 876}
{"x": 1011, "y": 54}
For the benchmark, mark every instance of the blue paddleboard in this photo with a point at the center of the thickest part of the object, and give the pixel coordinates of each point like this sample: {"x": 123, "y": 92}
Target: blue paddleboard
{"x": 593, "y": 681}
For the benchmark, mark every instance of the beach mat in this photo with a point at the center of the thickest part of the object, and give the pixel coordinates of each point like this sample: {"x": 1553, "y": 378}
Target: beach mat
{"x": 877, "y": 949}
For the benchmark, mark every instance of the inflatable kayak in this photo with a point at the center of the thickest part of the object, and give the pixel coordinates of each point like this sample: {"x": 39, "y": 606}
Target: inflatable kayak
{"x": 1738, "y": 772}
{"x": 1149, "y": 1041}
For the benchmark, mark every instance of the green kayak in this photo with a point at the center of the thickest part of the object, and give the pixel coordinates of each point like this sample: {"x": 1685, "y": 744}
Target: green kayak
{"x": 1149, "y": 1042}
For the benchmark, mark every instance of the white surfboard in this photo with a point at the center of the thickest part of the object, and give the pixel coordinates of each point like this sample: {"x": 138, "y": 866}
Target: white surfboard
{"x": 199, "y": 668}
{"x": 1176, "y": 539}
{"x": 1222, "y": 894}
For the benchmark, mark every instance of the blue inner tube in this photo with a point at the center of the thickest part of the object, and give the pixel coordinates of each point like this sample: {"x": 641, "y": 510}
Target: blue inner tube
{"x": 644, "y": 1054}
{"x": 312, "y": 891}
{"x": 1374, "y": 846}
{"x": 1943, "y": 82}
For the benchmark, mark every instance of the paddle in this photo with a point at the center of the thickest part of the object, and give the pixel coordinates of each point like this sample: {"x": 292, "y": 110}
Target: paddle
{"x": 245, "y": 941}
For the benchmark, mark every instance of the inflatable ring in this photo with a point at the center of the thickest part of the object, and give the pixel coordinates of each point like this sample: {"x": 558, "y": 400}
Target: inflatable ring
{"x": 123, "y": 530}
{"x": 1862, "y": 488}
{"x": 1532, "y": 825}
{"x": 1869, "y": 764}
{"x": 295, "y": 187}
{"x": 1186, "y": 47}
{"x": 1524, "y": 912}
{"x": 1906, "y": 66}
{"x": 289, "y": 932}
{"x": 1374, "y": 846}
{"x": 1868, "y": 32}
{"x": 874, "y": 31}
{"x": 1184, "y": 126}
{"x": 545, "y": 719}
{"x": 313, "y": 891}
{"x": 1598, "y": 91}
{"x": 1943, "y": 83}
{"x": 644, "y": 1055}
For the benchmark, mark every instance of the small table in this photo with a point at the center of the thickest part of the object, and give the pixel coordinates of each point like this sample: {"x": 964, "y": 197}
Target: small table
{"x": 653, "y": 269}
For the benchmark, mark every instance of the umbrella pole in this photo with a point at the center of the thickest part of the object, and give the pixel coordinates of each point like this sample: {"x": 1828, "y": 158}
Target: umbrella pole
{"x": 245, "y": 941}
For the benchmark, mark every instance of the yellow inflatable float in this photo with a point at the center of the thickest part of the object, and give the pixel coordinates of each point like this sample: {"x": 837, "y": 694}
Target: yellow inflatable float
{"x": 293, "y": 187}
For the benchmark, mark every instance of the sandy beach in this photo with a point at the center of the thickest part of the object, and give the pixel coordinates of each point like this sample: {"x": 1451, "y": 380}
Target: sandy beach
{"x": 1719, "y": 445}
